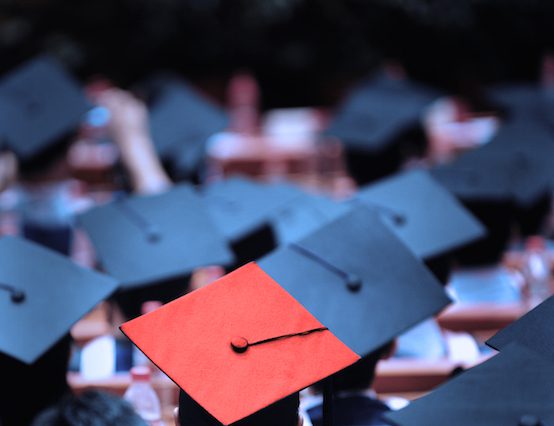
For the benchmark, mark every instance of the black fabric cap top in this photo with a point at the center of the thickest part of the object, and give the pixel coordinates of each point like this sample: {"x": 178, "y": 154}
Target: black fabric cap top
{"x": 39, "y": 104}
{"x": 42, "y": 294}
{"x": 141, "y": 240}
{"x": 422, "y": 213}
{"x": 380, "y": 109}
{"x": 238, "y": 205}
{"x": 304, "y": 215}
{"x": 512, "y": 388}
{"x": 181, "y": 121}
{"x": 515, "y": 165}
{"x": 519, "y": 99}
{"x": 533, "y": 330}
{"x": 473, "y": 179}
{"x": 357, "y": 278}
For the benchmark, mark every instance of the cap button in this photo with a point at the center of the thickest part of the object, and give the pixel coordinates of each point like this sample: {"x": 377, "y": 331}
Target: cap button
{"x": 239, "y": 344}
{"x": 399, "y": 219}
{"x": 18, "y": 296}
{"x": 529, "y": 420}
{"x": 153, "y": 235}
{"x": 354, "y": 283}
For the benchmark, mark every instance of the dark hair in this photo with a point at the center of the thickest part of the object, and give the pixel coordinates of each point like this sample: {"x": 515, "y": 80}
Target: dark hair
{"x": 92, "y": 408}
{"x": 40, "y": 164}
{"x": 282, "y": 413}
{"x": 358, "y": 376}
{"x": 29, "y": 389}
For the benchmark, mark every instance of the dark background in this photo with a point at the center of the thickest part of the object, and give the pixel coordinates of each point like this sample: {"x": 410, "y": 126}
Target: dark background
{"x": 303, "y": 52}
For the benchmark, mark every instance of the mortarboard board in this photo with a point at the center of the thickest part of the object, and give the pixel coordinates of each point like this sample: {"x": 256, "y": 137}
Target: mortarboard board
{"x": 39, "y": 104}
{"x": 181, "y": 121}
{"x": 487, "y": 192}
{"x": 378, "y": 110}
{"x": 42, "y": 295}
{"x": 533, "y": 330}
{"x": 142, "y": 240}
{"x": 514, "y": 168}
{"x": 518, "y": 99}
{"x": 242, "y": 209}
{"x": 472, "y": 180}
{"x": 422, "y": 213}
{"x": 379, "y": 124}
{"x": 359, "y": 279}
{"x": 303, "y": 215}
{"x": 525, "y": 148}
{"x": 512, "y": 388}
{"x": 239, "y": 344}
{"x": 515, "y": 164}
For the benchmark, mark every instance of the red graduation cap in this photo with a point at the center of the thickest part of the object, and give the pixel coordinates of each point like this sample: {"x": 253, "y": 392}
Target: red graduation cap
{"x": 239, "y": 344}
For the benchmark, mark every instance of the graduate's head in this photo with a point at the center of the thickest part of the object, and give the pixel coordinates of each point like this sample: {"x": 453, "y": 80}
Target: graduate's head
{"x": 281, "y": 413}
{"x": 360, "y": 375}
{"x": 50, "y": 165}
{"x": 32, "y": 388}
{"x": 94, "y": 408}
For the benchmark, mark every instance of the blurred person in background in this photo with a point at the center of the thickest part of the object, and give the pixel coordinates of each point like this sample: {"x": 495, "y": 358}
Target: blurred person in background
{"x": 355, "y": 403}
{"x": 92, "y": 408}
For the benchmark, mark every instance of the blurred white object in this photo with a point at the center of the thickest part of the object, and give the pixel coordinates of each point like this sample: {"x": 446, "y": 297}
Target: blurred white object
{"x": 452, "y": 128}
{"x": 142, "y": 397}
{"x": 485, "y": 284}
{"x": 425, "y": 340}
{"x": 462, "y": 348}
{"x": 536, "y": 271}
{"x": 98, "y": 358}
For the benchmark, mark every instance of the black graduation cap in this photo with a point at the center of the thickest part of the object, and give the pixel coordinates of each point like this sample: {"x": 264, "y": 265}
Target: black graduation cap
{"x": 487, "y": 192}
{"x": 533, "y": 330}
{"x": 242, "y": 209}
{"x": 522, "y": 99}
{"x": 181, "y": 121}
{"x": 303, "y": 215}
{"x": 421, "y": 212}
{"x": 470, "y": 178}
{"x": 525, "y": 148}
{"x": 356, "y": 277}
{"x": 42, "y": 294}
{"x": 512, "y": 388}
{"x": 142, "y": 240}
{"x": 378, "y": 110}
{"x": 376, "y": 122}
{"x": 39, "y": 105}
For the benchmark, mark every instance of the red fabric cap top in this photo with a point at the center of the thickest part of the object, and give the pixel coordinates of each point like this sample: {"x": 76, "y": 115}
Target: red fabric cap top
{"x": 214, "y": 344}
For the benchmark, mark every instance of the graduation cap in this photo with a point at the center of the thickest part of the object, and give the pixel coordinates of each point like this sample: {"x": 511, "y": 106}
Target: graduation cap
{"x": 378, "y": 110}
{"x": 472, "y": 180}
{"x": 422, "y": 213}
{"x": 525, "y": 148}
{"x": 512, "y": 388}
{"x": 304, "y": 215}
{"x": 359, "y": 279}
{"x": 512, "y": 173}
{"x": 518, "y": 99}
{"x": 533, "y": 330}
{"x": 39, "y": 105}
{"x": 42, "y": 294}
{"x": 239, "y": 344}
{"x": 484, "y": 181}
{"x": 142, "y": 240}
{"x": 378, "y": 122}
{"x": 242, "y": 209}
{"x": 181, "y": 121}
